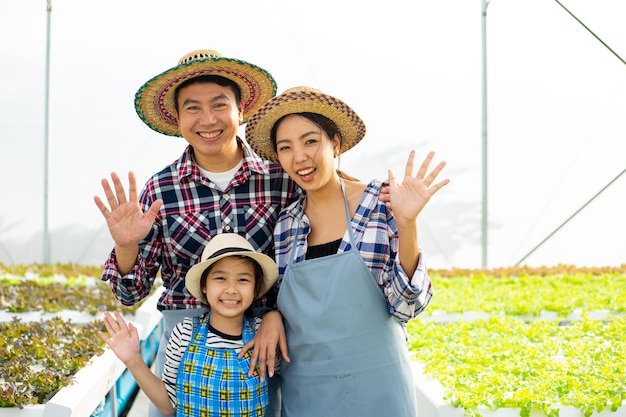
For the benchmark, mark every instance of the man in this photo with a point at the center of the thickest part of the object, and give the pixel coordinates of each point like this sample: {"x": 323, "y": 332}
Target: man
{"x": 218, "y": 185}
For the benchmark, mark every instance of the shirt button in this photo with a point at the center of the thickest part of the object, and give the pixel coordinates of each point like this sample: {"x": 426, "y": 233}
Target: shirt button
{"x": 225, "y": 196}
{"x": 227, "y": 228}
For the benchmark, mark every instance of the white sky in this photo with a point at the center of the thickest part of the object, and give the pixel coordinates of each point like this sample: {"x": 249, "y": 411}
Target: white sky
{"x": 412, "y": 70}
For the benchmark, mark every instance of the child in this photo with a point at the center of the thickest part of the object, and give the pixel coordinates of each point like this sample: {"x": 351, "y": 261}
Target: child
{"x": 202, "y": 374}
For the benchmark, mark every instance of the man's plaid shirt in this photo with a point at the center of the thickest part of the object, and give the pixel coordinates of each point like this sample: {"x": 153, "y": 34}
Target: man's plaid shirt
{"x": 193, "y": 211}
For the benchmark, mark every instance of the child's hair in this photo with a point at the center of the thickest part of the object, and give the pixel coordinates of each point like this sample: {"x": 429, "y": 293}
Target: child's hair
{"x": 258, "y": 275}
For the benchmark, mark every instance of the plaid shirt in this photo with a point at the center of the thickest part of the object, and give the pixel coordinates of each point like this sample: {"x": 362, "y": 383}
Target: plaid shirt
{"x": 376, "y": 237}
{"x": 193, "y": 211}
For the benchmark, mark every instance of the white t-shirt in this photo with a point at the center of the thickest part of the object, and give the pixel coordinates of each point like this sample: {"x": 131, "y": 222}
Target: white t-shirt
{"x": 221, "y": 179}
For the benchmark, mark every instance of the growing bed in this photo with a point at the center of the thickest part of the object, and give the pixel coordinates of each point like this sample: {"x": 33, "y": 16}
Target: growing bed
{"x": 503, "y": 343}
{"x": 523, "y": 344}
{"x": 53, "y": 364}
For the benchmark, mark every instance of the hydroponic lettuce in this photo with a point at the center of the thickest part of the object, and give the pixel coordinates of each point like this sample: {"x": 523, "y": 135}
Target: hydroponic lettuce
{"x": 52, "y": 295}
{"x": 505, "y": 362}
{"x": 67, "y": 270}
{"x": 502, "y": 362}
{"x": 529, "y": 294}
{"x": 54, "y": 288}
{"x": 39, "y": 358}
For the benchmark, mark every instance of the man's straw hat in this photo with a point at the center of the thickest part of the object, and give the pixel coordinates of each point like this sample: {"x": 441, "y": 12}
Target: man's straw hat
{"x": 154, "y": 101}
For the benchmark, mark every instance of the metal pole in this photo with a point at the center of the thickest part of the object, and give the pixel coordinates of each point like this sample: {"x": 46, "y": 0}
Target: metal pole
{"x": 606, "y": 186}
{"x": 590, "y": 31}
{"x": 484, "y": 217}
{"x": 569, "y": 218}
{"x": 46, "y": 234}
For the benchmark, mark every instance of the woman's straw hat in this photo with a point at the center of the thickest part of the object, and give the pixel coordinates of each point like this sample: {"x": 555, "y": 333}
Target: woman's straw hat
{"x": 154, "y": 101}
{"x": 302, "y": 100}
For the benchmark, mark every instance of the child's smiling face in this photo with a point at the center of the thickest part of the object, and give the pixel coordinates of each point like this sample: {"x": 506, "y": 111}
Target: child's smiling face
{"x": 230, "y": 287}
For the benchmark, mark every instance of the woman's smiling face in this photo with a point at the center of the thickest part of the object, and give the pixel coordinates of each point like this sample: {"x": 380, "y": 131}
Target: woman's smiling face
{"x": 305, "y": 151}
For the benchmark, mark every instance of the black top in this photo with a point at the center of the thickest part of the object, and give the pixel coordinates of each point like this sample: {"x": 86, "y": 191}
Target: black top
{"x": 324, "y": 249}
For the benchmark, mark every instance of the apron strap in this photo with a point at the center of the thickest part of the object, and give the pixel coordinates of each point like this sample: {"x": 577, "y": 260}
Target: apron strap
{"x": 348, "y": 219}
{"x": 294, "y": 244}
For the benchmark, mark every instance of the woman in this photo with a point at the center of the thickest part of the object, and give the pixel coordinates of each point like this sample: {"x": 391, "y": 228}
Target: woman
{"x": 351, "y": 272}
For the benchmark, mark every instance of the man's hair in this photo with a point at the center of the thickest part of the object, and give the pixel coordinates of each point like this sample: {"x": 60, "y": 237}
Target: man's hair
{"x": 203, "y": 79}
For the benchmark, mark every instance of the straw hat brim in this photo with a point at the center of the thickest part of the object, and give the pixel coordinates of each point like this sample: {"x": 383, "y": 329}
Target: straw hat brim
{"x": 302, "y": 100}
{"x": 154, "y": 101}
{"x": 221, "y": 246}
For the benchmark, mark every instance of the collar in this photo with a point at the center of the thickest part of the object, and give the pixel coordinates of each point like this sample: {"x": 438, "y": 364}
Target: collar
{"x": 188, "y": 169}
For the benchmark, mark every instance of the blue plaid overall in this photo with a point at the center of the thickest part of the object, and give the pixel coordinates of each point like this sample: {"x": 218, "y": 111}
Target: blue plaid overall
{"x": 212, "y": 382}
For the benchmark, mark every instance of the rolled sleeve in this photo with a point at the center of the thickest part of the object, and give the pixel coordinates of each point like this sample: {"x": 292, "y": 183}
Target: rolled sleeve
{"x": 132, "y": 287}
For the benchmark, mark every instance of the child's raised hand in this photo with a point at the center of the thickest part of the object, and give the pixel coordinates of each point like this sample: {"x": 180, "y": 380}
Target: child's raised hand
{"x": 124, "y": 338}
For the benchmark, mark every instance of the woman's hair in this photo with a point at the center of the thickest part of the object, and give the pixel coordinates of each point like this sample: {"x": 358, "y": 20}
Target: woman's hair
{"x": 258, "y": 276}
{"x": 203, "y": 79}
{"x": 328, "y": 126}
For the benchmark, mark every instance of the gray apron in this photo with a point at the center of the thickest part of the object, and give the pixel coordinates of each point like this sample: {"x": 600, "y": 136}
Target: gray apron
{"x": 348, "y": 353}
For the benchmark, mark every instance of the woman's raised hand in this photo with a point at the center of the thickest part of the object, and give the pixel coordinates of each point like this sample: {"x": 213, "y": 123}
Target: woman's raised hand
{"x": 408, "y": 198}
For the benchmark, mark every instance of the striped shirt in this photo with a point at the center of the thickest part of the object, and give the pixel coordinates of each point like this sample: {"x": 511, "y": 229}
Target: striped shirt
{"x": 376, "y": 237}
{"x": 195, "y": 209}
{"x": 178, "y": 342}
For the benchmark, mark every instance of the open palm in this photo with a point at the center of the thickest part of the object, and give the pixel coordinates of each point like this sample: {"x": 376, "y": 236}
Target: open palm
{"x": 124, "y": 338}
{"x": 127, "y": 223}
{"x": 409, "y": 197}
